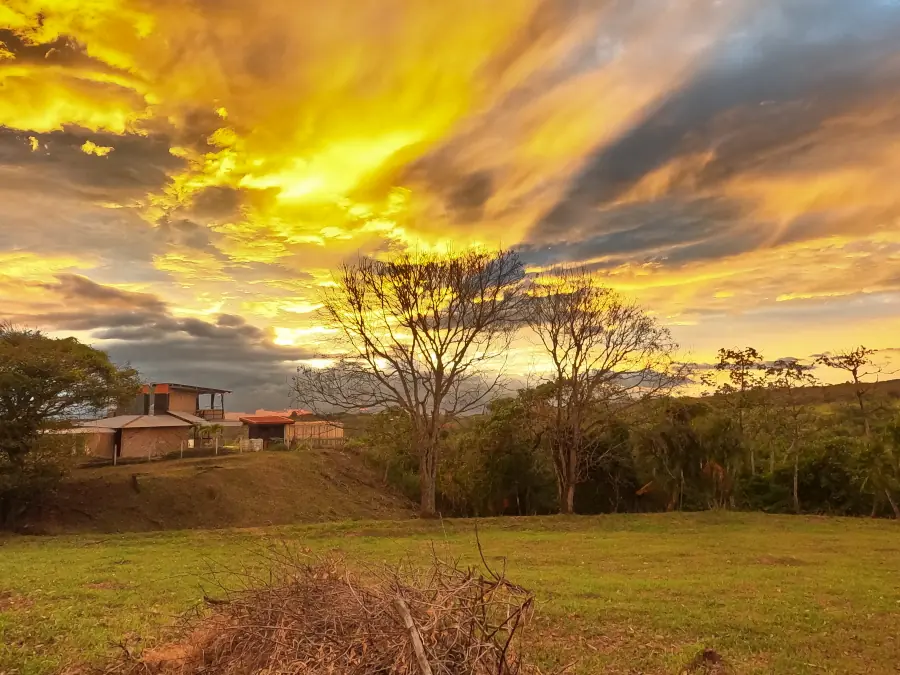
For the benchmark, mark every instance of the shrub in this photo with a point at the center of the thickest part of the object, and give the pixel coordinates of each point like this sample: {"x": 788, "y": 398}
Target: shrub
{"x": 27, "y": 482}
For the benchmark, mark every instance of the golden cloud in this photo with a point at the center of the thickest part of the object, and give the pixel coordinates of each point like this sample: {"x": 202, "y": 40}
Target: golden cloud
{"x": 347, "y": 127}
{"x": 91, "y": 148}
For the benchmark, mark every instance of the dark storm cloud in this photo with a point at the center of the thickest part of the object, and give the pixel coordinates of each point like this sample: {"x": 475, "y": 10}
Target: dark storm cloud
{"x": 136, "y": 165}
{"x": 770, "y": 87}
{"x": 258, "y": 373}
{"x": 217, "y": 202}
{"x": 161, "y": 327}
{"x": 701, "y": 228}
{"x": 82, "y": 189}
{"x": 471, "y": 193}
{"x": 184, "y": 233}
{"x": 63, "y": 51}
{"x": 140, "y": 329}
{"x": 80, "y": 290}
{"x": 229, "y": 354}
{"x": 463, "y": 192}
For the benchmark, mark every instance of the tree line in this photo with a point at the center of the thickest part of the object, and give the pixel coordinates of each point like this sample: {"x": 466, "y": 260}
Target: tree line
{"x": 421, "y": 346}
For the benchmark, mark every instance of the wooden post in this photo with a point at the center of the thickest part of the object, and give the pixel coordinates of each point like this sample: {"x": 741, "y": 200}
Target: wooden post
{"x": 217, "y": 445}
{"x": 181, "y": 455}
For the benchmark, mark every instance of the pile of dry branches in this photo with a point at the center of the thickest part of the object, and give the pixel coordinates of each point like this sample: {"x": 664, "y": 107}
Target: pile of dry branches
{"x": 312, "y": 615}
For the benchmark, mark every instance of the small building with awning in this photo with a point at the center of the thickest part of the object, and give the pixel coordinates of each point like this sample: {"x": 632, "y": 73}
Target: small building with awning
{"x": 269, "y": 428}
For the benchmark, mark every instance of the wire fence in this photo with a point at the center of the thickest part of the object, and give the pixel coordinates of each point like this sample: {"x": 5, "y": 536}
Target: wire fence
{"x": 192, "y": 450}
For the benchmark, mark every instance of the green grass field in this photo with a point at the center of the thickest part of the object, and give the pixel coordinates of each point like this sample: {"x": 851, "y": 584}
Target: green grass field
{"x": 617, "y": 594}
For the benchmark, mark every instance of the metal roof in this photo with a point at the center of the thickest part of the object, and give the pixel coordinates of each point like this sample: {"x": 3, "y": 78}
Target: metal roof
{"x": 83, "y": 430}
{"x": 187, "y": 417}
{"x": 137, "y": 422}
{"x": 266, "y": 419}
{"x": 190, "y": 387}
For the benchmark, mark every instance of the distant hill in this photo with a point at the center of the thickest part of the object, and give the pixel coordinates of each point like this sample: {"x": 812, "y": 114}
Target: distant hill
{"x": 886, "y": 391}
{"x": 846, "y": 393}
{"x": 249, "y": 490}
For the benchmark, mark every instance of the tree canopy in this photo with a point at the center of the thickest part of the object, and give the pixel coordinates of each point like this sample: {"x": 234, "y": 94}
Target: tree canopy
{"x": 45, "y": 382}
{"x": 423, "y": 333}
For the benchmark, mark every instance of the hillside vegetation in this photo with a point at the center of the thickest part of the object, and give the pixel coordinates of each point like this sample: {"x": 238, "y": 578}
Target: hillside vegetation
{"x": 620, "y": 594}
{"x": 249, "y": 490}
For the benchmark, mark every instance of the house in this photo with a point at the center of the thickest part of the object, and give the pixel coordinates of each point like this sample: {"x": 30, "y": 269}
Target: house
{"x": 162, "y": 419}
{"x": 161, "y": 398}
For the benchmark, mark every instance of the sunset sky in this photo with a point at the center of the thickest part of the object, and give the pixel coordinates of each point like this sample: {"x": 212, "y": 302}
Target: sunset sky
{"x": 179, "y": 177}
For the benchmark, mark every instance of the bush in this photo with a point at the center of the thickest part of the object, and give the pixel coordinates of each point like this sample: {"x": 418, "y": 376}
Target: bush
{"x": 829, "y": 482}
{"x": 26, "y": 483}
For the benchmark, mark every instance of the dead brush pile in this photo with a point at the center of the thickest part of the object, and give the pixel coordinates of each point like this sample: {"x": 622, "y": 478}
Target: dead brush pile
{"x": 314, "y": 616}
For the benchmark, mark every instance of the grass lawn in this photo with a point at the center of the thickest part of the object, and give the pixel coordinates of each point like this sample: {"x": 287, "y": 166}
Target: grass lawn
{"x": 619, "y": 594}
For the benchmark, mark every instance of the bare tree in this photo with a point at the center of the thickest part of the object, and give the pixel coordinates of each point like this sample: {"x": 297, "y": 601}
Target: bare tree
{"x": 606, "y": 353}
{"x": 743, "y": 388}
{"x": 423, "y": 333}
{"x": 859, "y": 364}
{"x": 793, "y": 414}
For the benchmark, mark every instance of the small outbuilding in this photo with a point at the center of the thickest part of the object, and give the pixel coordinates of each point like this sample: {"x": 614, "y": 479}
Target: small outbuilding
{"x": 134, "y": 436}
{"x": 269, "y": 428}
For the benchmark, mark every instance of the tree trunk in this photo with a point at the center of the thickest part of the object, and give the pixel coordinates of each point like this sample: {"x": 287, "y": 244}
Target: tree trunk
{"x": 796, "y": 482}
{"x": 566, "y": 480}
{"x": 887, "y": 493}
{"x": 862, "y": 406}
{"x": 428, "y": 478}
{"x": 570, "y": 499}
{"x": 427, "y": 506}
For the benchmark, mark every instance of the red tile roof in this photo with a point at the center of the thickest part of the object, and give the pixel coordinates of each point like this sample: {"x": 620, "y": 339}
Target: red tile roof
{"x": 266, "y": 419}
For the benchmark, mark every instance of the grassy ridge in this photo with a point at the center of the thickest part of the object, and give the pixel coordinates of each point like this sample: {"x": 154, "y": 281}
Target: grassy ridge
{"x": 249, "y": 490}
{"x": 622, "y": 594}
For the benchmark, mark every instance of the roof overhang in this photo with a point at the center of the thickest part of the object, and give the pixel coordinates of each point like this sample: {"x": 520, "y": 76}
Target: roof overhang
{"x": 165, "y": 387}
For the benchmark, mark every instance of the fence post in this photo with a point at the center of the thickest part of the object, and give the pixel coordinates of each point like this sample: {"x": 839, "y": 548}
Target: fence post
{"x": 181, "y": 454}
{"x": 217, "y": 445}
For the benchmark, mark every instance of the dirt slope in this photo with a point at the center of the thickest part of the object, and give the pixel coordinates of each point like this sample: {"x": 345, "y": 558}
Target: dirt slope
{"x": 255, "y": 489}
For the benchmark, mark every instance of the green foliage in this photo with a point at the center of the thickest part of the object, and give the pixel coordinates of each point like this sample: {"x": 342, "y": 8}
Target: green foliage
{"x": 28, "y": 481}
{"x": 613, "y": 479}
{"x": 387, "y": 442}
{"x": 763, "y": 441}
{"x": 496, "y": 465}
{"x": 829, "y": 477}
{"x": 45, "y": 381}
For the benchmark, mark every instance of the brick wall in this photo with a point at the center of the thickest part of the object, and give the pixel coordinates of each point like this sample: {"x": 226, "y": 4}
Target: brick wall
{"x": 154, "y": 441}
{"x": 99, "y": 445}
{"x": 183, "y": 401}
